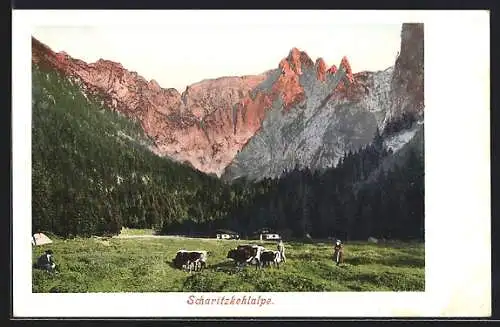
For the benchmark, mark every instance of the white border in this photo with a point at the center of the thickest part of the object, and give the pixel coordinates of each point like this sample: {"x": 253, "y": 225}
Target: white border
{"x": 458, "y": 279}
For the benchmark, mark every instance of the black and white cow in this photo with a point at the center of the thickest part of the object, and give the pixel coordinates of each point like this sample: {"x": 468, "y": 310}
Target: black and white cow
{"x": 246, "y": 254}
{"x": 269, "y": 257}
{"x": 46, "y": 262}
{"x": 190, "y": 260}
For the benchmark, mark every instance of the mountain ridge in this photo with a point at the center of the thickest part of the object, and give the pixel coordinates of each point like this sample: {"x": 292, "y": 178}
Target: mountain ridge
{"x": 212, "y": 121}
{"x": 318, "y": 131}
{"x": 185, "y": 111}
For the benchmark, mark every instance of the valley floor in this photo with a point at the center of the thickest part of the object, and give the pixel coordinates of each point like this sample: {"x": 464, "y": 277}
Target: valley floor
{"x": 142, "y": 263}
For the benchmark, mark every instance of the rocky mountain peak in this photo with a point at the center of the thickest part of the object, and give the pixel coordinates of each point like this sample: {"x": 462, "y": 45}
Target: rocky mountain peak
{"x": 408, "y": 76}
{"x": 320, "y": 69}
{"x": 104, "y": 64}
{"x": 154, "y": 85}
{"x": 297, "y": 59}
{"x": 332, "y": 70}
{"x": 344, "y": 63}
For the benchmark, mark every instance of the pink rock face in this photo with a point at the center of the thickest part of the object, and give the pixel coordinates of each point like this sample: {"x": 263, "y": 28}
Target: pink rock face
{"x": 350, "y": 88}
{"x": 294, "y": 61}
{"x": 197, "y": 126}
{"x": 320, "y": 69}
{"x": 347, "y": 67}
{"x": 332, "y": 70}
{"x": 207, "y": 96}
{"x": 297, "y": 59}
{"x": 213, "y": 119}
{"x": 288, "y": 85}
{"x": 208, "y": 123}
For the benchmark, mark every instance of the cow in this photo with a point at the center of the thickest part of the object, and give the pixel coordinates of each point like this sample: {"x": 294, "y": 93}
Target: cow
{"x": 244, "y": 254}
{"x": 338, "y": 252}
{"x": 181, "y": 260}
{"x": 201, "y": 260}
{"x": 269, "y": 257}
{"x": 46, "y": 262}
{"x": 190, "y": 260}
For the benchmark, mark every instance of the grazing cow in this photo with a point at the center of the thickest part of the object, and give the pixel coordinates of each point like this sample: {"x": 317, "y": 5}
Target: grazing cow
{"x": 338, "y": 252}
{"x": 199, "y": 258}
{"x": 269, "y": 257}
{"x": 190, "y": 260}
{"x": 181, "y": 260}
{"x": 244, "y": 254}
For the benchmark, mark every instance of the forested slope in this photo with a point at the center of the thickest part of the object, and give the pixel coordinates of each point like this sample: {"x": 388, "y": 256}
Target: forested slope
{"x": 93, "y": 173}
{"x": 92, "y": 170}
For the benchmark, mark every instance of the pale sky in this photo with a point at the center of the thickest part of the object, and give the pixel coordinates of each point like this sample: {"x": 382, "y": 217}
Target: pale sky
{"x": 180, "y": 55}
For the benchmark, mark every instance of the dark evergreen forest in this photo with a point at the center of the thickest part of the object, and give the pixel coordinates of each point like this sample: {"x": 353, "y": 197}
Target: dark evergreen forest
{"x": 92, "y": 174}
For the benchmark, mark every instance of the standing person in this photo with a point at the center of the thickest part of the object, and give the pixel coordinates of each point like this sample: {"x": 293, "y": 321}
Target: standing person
{"x": 281, "y": 249}
{"x": 338, "y": 252}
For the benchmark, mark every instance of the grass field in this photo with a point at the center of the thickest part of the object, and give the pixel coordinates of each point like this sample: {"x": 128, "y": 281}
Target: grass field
{"x": 143, "y": 264}
{"x": 131, "y": 231}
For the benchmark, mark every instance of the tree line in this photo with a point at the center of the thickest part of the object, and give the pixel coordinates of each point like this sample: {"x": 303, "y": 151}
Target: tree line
{"x": 355, "y": 200}
{"x": 92, "y": 174}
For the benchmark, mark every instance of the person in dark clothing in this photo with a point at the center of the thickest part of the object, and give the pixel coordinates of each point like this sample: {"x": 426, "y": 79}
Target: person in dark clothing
{"x": 338, "y": 252}
{"x": 46, "y": 261}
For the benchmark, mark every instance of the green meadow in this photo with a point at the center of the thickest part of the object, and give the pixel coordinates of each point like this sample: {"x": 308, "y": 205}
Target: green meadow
{"x": 143, "y": 264}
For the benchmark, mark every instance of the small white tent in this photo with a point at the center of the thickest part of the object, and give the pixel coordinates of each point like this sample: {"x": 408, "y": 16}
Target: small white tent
{"x": 40, "y": 239}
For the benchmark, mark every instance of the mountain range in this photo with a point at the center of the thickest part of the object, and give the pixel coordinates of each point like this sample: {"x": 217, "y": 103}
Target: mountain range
{"x": 298, "y": 114}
